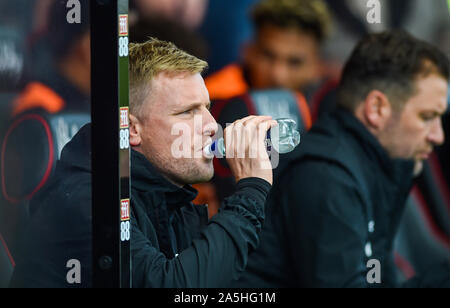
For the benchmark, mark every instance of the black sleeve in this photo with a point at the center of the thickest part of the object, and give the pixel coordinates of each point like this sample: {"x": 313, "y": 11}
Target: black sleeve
{"x": 59, "y": 231}
{"x": 218, "y": 256}
{"x": 325, "y": 225}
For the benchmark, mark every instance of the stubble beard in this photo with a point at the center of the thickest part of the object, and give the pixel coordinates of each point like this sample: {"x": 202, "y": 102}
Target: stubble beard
{"x": 183, "y": 171}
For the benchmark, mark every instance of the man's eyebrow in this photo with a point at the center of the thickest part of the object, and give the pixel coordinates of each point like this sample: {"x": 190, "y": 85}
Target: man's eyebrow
{"x": 194, "y": 105}
{"x": 443, "y": 110}
{"x": 435, "y": 112}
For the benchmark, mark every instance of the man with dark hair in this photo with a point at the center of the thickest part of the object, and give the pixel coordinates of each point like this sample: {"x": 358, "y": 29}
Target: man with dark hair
{"x": 61, "y": 63}
{"x": 335, "y": 209}
{"x": 285, "y": 52}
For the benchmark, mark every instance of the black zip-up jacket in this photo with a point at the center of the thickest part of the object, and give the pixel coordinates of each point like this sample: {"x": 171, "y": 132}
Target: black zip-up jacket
{"x": 335, "y": 207}
{"x": 173, "y": 243}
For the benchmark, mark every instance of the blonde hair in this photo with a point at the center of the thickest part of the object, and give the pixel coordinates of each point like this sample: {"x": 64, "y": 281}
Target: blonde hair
{"x": 305, "y": 15}
{"x": 148, "y": 59}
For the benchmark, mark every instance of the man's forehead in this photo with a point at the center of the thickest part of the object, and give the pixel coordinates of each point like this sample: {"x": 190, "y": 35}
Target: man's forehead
{"x": 432, "y": 93}
{"x": 432, "y": 85}
{"x": 291, "y": 36}
{"x": 180, "y": 88}
{"x": 170, "y": 79}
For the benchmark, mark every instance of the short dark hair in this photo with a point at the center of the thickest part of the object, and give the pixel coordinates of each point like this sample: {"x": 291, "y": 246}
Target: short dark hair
{"x": 61, "y": 34}
{"x": 309, "y": 16}
{"x": 390, "y": 62}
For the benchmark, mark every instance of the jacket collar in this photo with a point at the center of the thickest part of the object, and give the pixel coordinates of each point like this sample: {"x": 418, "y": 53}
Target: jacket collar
{"x": 146, "y": 178}
{"x": 77, "y": 152}
{"x": 400, "y": 171}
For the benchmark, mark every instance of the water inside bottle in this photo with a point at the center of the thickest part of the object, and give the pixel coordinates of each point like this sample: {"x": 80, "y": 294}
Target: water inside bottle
{"x": 285, "y": 137}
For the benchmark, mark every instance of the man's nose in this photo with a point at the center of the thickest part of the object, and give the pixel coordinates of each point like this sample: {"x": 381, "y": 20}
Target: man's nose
{"x": 210, "y": 126}
{"x": 437, "y": 136}
{"x": 279, "y": 74}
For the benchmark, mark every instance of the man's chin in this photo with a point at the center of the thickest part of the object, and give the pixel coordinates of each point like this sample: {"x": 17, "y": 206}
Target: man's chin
{"x": 205, "y": 173}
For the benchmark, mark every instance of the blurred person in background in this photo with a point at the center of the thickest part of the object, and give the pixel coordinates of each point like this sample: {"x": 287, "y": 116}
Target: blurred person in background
{"x": 338, "y": 204}
{"x": 15, "y": 22}
{"x": 284, "y": 53}
{"x": 353, "y": 19}
{"x": 11, "y": 10}
{"x": 64, "y": 83}
{"x": 188, "y": 13}
{"x": 427, "y": 20}
{"x": 169, "y": 30}
{"x": 226, "y": 27}
{"x": 49, "y": 89}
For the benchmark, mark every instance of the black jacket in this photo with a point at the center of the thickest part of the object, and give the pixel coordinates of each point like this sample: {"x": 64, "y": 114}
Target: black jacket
{"x": 173, "y": 244}
{"x": 61, "y": 224}
{"x": 336, "y": 206}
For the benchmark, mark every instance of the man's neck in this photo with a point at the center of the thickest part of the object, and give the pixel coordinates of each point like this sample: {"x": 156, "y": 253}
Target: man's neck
{"x": 165, "y": 176}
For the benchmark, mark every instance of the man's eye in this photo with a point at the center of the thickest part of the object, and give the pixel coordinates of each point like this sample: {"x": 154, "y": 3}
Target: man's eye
{"x": 268, "y": 55}
{"x": 295, "y": 62}
{"x": 427, "y": 116}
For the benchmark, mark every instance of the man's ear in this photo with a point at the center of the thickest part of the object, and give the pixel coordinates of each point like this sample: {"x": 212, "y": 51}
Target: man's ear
{"x": 135, "y": 131}
{"x": 377, "y": 110}
{"x": 85, "y": 45}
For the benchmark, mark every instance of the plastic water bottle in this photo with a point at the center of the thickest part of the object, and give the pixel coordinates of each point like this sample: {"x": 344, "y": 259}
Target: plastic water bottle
{"x": 284, "y": 138}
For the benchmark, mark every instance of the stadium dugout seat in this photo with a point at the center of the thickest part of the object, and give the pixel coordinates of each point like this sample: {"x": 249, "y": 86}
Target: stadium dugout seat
{"x": 323, "y": 100}
{"x": 423, "y": 238}
{"x": 25, "y": 172}
{"x": 12, "y": 58}
{"x": 6, "y": 263}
